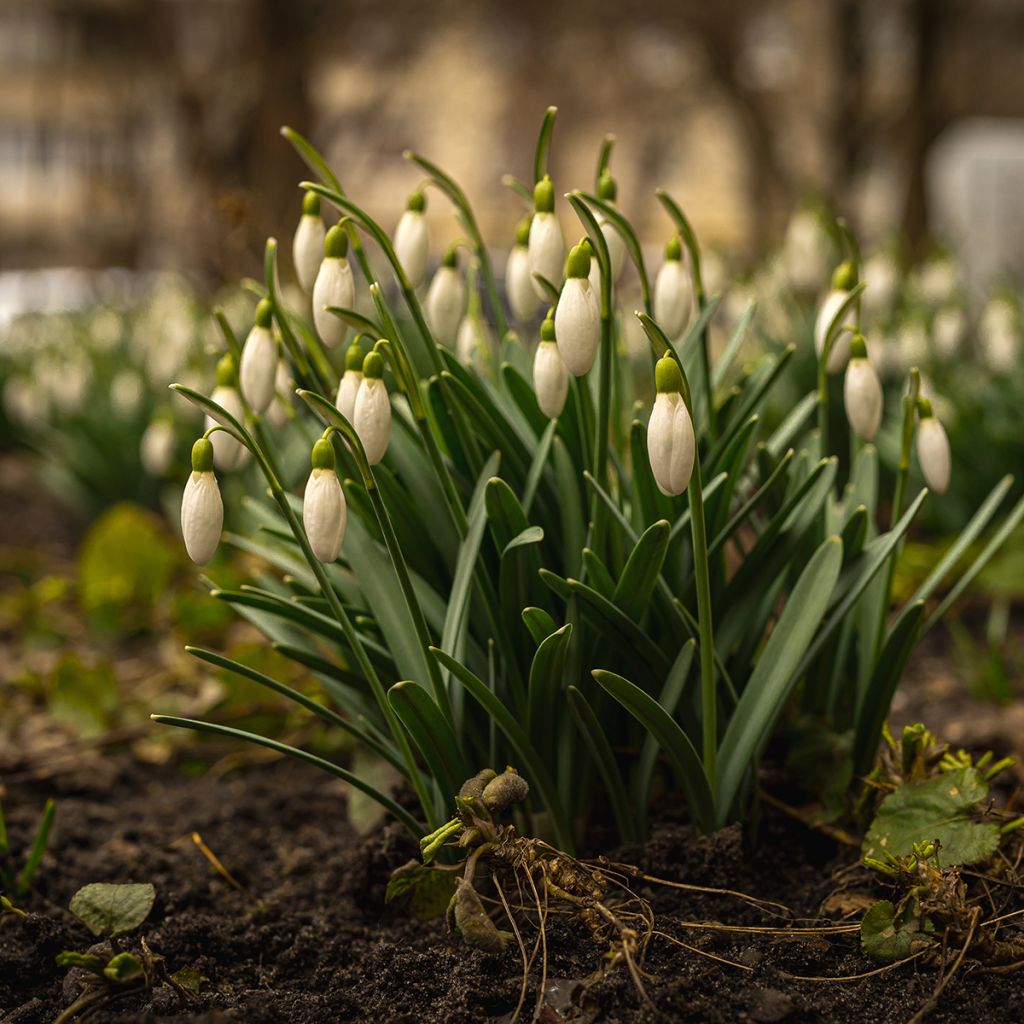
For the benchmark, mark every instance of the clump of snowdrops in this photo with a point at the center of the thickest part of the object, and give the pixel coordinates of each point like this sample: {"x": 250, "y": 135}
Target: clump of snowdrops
{"x": 503, "y": 551}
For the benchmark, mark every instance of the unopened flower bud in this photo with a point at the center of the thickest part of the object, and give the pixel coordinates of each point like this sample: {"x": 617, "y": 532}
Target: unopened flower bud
{"x": 862, "y": 392}
{"x": 257, "y": 371}
{"x": 324, "y": 512}
{"x": 671, "y": 444}
{"x": 334, "y": 286}
{"x": 546, "y": 246}
{"x": 502, "y": 792}
{"x": 350, "y": 380}
{"x": 844, "y": 278}
{"x": 673, "y": 292}
{"x": 412, "y": 243}
{"x": 308, "y": 244}
{"x": 578, "y": 315}
{"x": 277, "y": 414}
{"x": 228, "y": 452}
{"x": 202, "y": 511}
{"x": 933, "y": 449}
{"x": 550, "y": 376}
{"x": 446, "y": 300}
{"x": 371, "y": 416}
{"x": 522, "y": 297}
{"x": 607, "y": 189}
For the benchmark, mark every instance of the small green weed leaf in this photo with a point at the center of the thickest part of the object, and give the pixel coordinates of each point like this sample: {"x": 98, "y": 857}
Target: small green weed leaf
{"x": 86, "y": 961}
{"x": 123, "y": 968}
{"x": 189, "y": 978}
{"x": 431, "y": 890}
{"x": 888, "y": 935}
{"x": 940, "y": 809}
{"x": 109, "y": 909}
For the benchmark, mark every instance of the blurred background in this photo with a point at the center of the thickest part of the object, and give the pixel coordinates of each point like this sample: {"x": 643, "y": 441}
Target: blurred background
{"x": 141, "y": 171}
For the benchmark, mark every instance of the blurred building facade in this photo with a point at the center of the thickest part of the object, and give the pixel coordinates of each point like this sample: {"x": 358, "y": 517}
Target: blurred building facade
{"x": 144, "y": 132}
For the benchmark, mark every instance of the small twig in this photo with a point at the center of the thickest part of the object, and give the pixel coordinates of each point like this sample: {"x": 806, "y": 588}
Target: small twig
{"x": 213, "y": 859}
{"x": 933, "y": 1000}
{"x": 855, "y": 977}
{"x": 522, "y": 949}
{"x": 702, "y": 952}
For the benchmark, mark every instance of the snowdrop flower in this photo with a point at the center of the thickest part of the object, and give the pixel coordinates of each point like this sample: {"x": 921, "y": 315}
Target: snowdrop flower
{"x": 471, "y": 339}
{"x": 948, "y": 329}
{"x": 277, "y": 414}
{"x": 937, "y": 281}
{"x": 350, "y": 380}
{"x": 882, "y": 276}
{"x": 228, "y": 452}
{"x": 308, "y": 244}
{"x": 522, "y": 298}
{"x": 608, "y": 190}
{"x": 671, "y": 444}
{"x": 578, "y": 314}
{"x": 372, "y": 414}
{"x": 324, "y": 512}
{"x": 412, "y": 243}
{"x": 334, "y": 286}
{"x": 257, "y": 371}
{"x": 862, "y": 392}
{"x": 550, "y": 376}
{"x": 673, "y": 292}
{"x": 844, "y": 278}
{"x": 202, "y": 511}
{"x": 546, "y": 246}
{"x": 932, "y": 448}
{"x": 999, "y": 336}
{"x": 805, "y": 251}
{"x": 446, "y": 299}
{"x": 156, "y": 449}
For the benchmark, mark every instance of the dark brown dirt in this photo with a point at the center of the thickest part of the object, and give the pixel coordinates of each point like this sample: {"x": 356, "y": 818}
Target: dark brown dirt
{"x": 310, "y": 938}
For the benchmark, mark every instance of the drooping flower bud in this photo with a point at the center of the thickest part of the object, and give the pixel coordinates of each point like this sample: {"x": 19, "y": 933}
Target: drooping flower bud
{"x": 522, "y": 297}
{"x": 608, "y": 190}
{"x": 308, "y": 244}
{"x": 350, "y": 380}
{"x": 156, "y": 449}
{"x": 578, "y": 314}
{"x": 471, "y": 340}
{"x": 933, "y": 448}
{"x": 550, "y": 376}
{"x": 228, "y": 452}
{"x": 412, "y": 243}
{"x": 671, "y": 444}
{"x": 844, "y": 278}
{"x": 277, "y": 414}
{"x": 202, "y": 511}
{"x": 334, "y": 287}
{"x": 372, "y": 414}
{"x": 324, "y": 512}
{"x": 546, "y": 246}
{"x": 862, "y": 392}
{"x": 673, "y": 292}
{"x": 257, "y": 371}
{"x": 446, "y": 299}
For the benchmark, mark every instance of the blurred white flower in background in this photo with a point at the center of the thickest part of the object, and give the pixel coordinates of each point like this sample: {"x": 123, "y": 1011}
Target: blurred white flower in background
{"x": 806, "y": 252}
{"x": 126, "y": 393}
{"x": 936, "y": 281}
{"x": 999, "y": 335}
{"x": 948, "y": 330}
{"x": 881, "y": 274}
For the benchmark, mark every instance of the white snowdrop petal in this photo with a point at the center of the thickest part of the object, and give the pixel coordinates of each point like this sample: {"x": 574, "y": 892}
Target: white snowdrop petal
{"x": 202, "y": 516}
{"x": 446, "y": 304}
{"x": 228, "y": 452}
{"x": 412, "y": 246}
{"x": 550, "y": 379}
{"x": 840, "y": 353}
{"x": 347, "y": 391}
{"x": 372, "y": 418}
{"x": 467, "y": 340}
{"x": 522, "y": 298}
{"x": 862, "y": 395}
{"x": 670, "y": 443}
{"x": 334, "y": 286}
{"x": 324, "y": 513}
{"x": 257, "y": 370}
{"x": 308, "y": 249}
{"x": 546, "y": 251}
{"x": 673, "y": 297}
{"x": 578, "y": 325}
{"x": 933, "y": 454}
{"x": 616, "y": 247}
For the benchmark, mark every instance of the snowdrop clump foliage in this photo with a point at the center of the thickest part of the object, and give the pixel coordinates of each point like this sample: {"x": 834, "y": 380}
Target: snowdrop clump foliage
{"x": 525, "y": 560}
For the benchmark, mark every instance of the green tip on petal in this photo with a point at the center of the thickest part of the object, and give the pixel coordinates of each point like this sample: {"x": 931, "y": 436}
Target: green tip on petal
{"x": 264, "y": 313}
{"x": 373, "y": 366}
{"x": 336, "y": 242}
{"x": 311, "y": 204}
{"x": 450, "y": 257}
{"x": 924, "y": 408}
{"x": 544, "y": 195}
{"x": 674, "y": 248}
{"x": 578, "y": 263}
{"x": 227, "y": 371}
{"x": 667, "y": 376}
{"x": 323, "y": 454}
{"x": 547, "y": 330}
{"x": 202, "y": 456}
{"x": 845, "y": 276}
{"x": 858, "y": 347}
{"x": 607, "y": 188}
{"x": 417, "y": 202}
{"x": 354, "y": 356}
{"x": 523, "y": 232}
